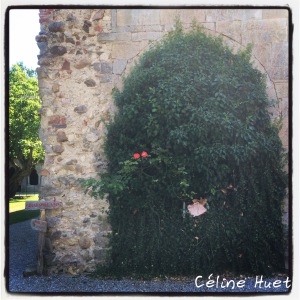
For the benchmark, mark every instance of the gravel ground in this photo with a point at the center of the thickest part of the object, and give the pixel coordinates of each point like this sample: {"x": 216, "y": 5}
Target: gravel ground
{"x": 23, "y": 250}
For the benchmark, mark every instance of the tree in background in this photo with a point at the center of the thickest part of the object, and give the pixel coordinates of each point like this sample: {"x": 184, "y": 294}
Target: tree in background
{"x": 25, "y": 148}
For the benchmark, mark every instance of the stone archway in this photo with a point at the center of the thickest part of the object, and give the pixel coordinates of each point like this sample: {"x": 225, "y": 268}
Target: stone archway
{"x": 83, "y": 55}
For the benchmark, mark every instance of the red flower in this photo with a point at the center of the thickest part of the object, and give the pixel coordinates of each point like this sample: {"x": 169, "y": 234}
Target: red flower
{"x": 144, "y": 154}
{"x": 136, "y": 155}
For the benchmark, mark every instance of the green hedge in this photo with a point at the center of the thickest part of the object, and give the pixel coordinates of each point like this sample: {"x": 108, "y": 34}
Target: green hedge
{"x": 200, "y": 114}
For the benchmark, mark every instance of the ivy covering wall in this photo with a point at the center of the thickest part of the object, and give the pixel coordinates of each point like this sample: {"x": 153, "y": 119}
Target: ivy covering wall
{"x": 192, "y": 123}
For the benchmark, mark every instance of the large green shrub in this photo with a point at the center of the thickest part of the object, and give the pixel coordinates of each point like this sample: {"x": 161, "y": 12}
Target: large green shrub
{"x": 200, "y": 113}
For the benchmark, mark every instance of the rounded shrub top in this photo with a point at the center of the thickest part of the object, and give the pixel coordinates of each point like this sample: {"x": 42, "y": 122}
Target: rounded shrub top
{"x": 193, "y": 97}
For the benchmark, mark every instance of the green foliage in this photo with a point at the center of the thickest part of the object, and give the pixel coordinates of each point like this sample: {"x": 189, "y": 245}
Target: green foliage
{"x": 25, "y": 149}
{"x": 24, "y": 121}
{"x": 200, "y": 112}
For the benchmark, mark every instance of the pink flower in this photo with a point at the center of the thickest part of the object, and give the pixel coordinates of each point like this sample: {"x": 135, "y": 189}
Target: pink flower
{"x": 196, "y": 209}
{"x": 144, "y": 154}
{"x": 136, "y": 156}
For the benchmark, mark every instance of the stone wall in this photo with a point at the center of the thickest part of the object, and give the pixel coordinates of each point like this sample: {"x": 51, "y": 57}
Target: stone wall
{"x": 83, "y": 55}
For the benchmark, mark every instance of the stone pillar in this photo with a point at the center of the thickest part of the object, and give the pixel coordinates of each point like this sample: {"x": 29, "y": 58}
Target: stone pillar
{"x": 75, "y": 108}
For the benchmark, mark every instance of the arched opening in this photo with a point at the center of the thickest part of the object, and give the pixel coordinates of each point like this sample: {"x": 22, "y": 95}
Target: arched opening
{"x": 33, "y": 177}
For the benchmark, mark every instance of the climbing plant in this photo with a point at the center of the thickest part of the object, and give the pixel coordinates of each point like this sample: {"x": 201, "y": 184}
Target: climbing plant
{"x": 193, "y": 122}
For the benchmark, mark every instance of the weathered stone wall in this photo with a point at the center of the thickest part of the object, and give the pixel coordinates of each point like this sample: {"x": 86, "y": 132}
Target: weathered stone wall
{"x": 83, "y": 55}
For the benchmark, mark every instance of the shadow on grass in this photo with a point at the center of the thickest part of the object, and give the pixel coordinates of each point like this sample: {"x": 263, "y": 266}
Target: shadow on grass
{"x": 22, "y": 215}
{"x": 17, "y": 200}
{"x": 31, "y": 197}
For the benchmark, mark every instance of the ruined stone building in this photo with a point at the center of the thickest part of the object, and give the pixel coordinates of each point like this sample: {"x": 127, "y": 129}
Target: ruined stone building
{"x": 84, "y": 53}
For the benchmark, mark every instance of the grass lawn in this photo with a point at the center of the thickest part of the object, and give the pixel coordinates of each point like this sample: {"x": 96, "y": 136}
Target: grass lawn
{"x": 17, "y": 212}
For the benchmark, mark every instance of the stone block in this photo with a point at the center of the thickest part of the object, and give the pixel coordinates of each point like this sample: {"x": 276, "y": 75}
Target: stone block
{"x": 55, "y": 235}
{"x": 209, "y": 25}
{"x": 70, "y": 213}
{"x": 264, "y": 31}
{"x": 188, "y": 15}
{"x": 98, "y": 28}
{"x": 90, "y": 82}
{"x": 262, "y": 52}
{"x": 119, "y": 66}
{"x": 104, "y": 226}
{"x": 43, "y": 46}
{"x": 282, "y": 89}
{"x": 279, "y": 55}
{"x": 42, "y": 73}
{"x": 54, "y": 75}
{"x": 68, "y": 167}
{"x": 69, "y": 241}
{"x": 58, "y": 149}
{"x": 141, "y": 28}
{"x": 86, "y": 255}
{"x": 127, "y": 50}
{"x": 78, "y": 168}
{"x": 252, "y": 14}
{"x": 49, "y": 160}
{"x": 93, "y": 214}
{"x": 275, "y": 13}
{"x": 65, "y": 66}
{"x": 82, "y": 63}
{"x": 167, "y": 16}
{"x": 86, "y": 220}
{"x": 218, "y": 15}
{"x": 85, "y": 242}
{"x": 45, "y": 172}
{"x": 81, "y": 109}
{"x": 105, "y": 78}
{"x": 70, "y": 40}
{"x": 71, "y": 162}
{"x": 279, "y": 73}
{"x": 103, "y": 67}
{"x": 48, "y": 149}
{"x": 113, "y": 36}
{"x": 61, "y": 137}
{"x": 43, "y": 132}
{"x": 106, "y": 68}
{"x": 55, "y": 87}
{"x": 98, "y": 239}
{"x": 284, "y": 134}
{"x": 45, "y": 92}
{"x": 49, "y": 190}
{"x": 92, "y": 136}
{"x": 41, "y": 38}
{"x": 57, "y": 120}
{"x": 58, "y": 50}
{"x": 97, "y": 15}
{"x": 138, "y": 36}
{"x": 231, "y": 29}
{"x": 58, "y": 38}
{"x": 69, "y": 180}
{"x": 46, "y": 61}
{"x": 86, "y": 26}
{"x": 129, "y": 17}
{"x": 56, "y": 27}
{"x": 106, "y": 37}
